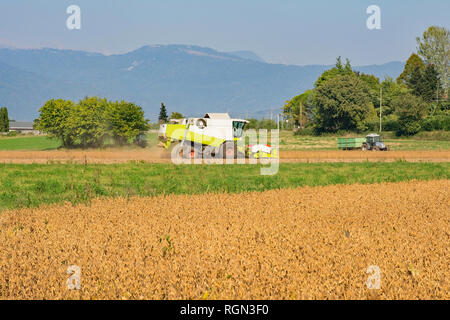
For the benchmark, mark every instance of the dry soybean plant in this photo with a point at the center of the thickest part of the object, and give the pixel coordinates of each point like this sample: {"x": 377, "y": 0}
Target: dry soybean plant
{"x": 306, "y": 243}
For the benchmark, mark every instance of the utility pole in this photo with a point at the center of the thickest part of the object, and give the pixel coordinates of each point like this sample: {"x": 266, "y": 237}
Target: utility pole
{"x": 301, "y": 116}
{"x": 437, "y": 91}
{"x": 381, "y": 108}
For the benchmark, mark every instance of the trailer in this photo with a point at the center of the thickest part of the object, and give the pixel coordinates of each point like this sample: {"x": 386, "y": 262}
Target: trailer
{"x": 351, "y": 143}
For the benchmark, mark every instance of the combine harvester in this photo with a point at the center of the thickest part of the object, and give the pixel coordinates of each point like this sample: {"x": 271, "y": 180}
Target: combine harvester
{"x": 216, "y": 135}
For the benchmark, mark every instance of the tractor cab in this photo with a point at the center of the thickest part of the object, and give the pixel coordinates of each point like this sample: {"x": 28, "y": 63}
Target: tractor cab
{"x": 374, "y": 138}
{"x": 374, "y": 142}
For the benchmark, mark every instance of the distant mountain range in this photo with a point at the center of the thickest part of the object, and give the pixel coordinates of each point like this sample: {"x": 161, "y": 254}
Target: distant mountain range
{"x": 189, "y": 79}
{"x": 249, "y": 55}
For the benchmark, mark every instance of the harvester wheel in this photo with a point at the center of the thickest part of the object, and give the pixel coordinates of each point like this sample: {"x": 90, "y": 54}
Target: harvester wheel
{"x": 210, "y": 152}
{"x": 228, "y": 150}
{"x": 240, "y": 155}
{"x": 187, "y": 151}
{"x": 195, "y": 152}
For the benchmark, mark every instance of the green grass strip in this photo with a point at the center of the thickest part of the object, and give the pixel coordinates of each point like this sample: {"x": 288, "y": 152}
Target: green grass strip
{"x": 34, "y": 184}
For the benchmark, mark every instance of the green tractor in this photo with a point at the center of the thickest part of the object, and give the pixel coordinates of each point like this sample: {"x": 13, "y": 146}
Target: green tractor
{"x": 374, "y": 142}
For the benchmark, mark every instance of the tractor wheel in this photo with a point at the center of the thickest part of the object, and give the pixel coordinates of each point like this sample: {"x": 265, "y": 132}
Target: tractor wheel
{"x": 375, "y": 148}
{"x": 187, "y": 152}
{"x": 364, "y": 147}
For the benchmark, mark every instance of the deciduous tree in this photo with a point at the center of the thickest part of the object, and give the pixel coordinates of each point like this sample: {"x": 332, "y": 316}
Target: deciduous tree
{"x": 176, "y": 115}
{"x": 303, "y": 102}
{"x": 410, "y": 110}
{"x": 87, "y": 124}
{"x": 125, "y": 121}
{"x": 434, "y": 47}
{"x": 92, "y": 122}
{"x": 343, "y": 103}
{"x": 338, "y": 69}
{"x": 54, "y": 120}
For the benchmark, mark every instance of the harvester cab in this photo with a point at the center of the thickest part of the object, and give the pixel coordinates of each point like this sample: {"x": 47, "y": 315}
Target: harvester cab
{"x": 374, "y": 142}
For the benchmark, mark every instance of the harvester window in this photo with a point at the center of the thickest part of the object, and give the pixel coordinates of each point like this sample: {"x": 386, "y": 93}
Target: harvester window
{"x": 201, "y": 123}
{"x": 238, "y": 129}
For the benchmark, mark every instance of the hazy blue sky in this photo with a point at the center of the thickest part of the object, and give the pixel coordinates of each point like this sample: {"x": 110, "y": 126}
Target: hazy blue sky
{"x": 280, "y": 31}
